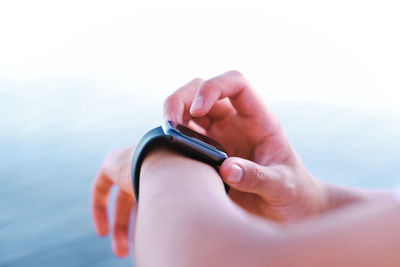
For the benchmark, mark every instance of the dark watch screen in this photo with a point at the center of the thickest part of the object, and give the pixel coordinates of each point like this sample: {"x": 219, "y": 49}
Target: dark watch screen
{"x": 189, "y": 132}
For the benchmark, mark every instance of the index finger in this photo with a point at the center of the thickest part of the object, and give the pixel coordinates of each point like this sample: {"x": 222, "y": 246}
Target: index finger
{"x": 233, "y": 85}
{"x": 177, "y": 105}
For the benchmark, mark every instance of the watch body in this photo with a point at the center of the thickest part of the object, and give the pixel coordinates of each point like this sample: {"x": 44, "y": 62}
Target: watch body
{"x": 179, "y": 138}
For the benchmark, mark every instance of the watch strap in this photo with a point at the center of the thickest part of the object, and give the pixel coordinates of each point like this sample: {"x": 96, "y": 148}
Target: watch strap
{"x": 151, "y": 139}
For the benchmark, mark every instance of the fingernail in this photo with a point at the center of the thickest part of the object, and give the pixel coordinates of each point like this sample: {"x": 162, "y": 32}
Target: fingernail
{"x": 235, "y": 174}
{"x": 197, "y": 104}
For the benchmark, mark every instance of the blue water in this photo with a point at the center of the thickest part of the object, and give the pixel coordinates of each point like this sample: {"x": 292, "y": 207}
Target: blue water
{"x": 52, "y": 144}
{"x": 45, "y": 186}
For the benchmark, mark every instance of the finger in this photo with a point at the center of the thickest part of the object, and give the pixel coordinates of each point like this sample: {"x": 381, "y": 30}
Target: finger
{"x": 247, "y": 176}
{"x": 233, "y": 85}
{"x": 203, "y": 122}
{"x": 221, "y": 109}
{"x": 99, "y": 198}
{"x": 122, "y": 212}
{"x": 177, "y": 105}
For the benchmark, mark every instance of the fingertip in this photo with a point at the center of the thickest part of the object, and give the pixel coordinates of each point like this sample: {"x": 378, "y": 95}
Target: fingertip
{"x": 120, "y": 245}
{"x": 102, "y": 232}
{"x": 101, "y": 227}
{"x": 227, "y": 166}
{"x": 119, "y": 251}
{"x": 235, "y": 174}
{"x": 100, "y": 220}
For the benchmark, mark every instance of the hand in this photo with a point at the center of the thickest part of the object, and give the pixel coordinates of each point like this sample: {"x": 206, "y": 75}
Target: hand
{"x": 266, "y": 176}
{"x": 116, "y": 169}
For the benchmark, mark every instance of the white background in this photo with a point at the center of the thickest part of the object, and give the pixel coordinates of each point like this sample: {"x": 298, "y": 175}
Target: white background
{"x": 333, "y": 52}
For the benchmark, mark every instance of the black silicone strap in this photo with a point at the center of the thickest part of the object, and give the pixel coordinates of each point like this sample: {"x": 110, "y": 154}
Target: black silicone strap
{"x": 153, "y": 138}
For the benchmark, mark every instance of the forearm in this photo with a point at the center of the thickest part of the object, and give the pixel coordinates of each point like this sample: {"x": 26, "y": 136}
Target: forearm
{"x": 186, "y": 219}
{"x": 339, "y": 196}
{"x": 359, "y": 235}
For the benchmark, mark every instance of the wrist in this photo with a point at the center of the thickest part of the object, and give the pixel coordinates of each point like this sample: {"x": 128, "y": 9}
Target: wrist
{"x": 117, "y": 168}
{"x": 163, "y": 160}
{"x": 158, "y": 156}
{"x": 318, "y": 198}
{"x": 164, "y": 170}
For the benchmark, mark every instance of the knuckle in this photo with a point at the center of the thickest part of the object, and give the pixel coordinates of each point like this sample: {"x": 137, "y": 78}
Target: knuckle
{"x": 98, "y": 206}
{"x": 235, "y": 73}
{"x": 257, "y": 178}
{"x": 100, "y": 189}
{"x": 197, "y": 80}
{"x": 261, "y": 174}
{"x": 120, "y": 226}
{"x": 169, "y": 100}
{"x": 209, "y": 85}
{"x": 240, "y": 78}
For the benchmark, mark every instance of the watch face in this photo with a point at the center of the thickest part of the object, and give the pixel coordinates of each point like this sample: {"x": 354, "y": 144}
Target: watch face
{"x": 195, "y": 135}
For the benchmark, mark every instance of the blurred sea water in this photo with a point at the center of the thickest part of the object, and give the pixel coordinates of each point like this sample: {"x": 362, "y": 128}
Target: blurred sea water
{"x": 53, "y": 137}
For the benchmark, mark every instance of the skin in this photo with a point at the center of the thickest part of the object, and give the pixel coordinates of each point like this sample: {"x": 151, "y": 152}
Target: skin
{"x": 178, "y": 226}
{"x": 266, "y": 176}
{"x": 116, "y": 169}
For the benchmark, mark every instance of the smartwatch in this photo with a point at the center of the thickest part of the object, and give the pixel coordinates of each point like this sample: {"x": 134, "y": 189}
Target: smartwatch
{"x": 178, "y": 138}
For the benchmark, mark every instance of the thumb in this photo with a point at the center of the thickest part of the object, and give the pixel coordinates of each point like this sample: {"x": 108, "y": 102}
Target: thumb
{"x": 247, "y": 176}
